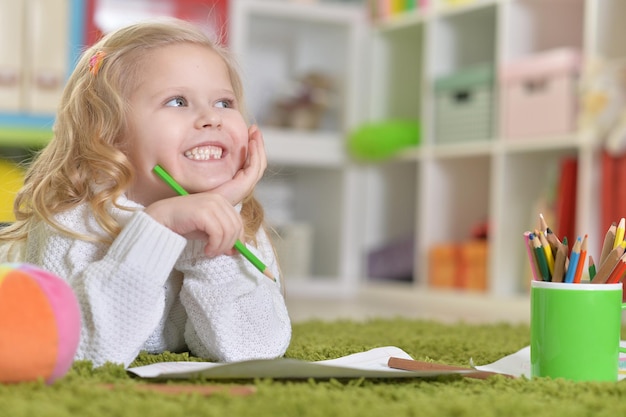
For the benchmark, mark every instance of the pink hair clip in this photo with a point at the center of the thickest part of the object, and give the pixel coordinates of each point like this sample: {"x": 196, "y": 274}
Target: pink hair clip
{"x": 95, "y": 62}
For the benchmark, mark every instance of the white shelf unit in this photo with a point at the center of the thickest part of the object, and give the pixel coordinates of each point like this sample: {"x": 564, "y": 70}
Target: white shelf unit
{"x": 310, "y": 180}
{"x": 458, "y": 185}
{"x": 435, "y": 192}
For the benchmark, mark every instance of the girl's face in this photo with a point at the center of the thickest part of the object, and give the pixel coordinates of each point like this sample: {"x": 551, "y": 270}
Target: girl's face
{"x": 184, "y": 116}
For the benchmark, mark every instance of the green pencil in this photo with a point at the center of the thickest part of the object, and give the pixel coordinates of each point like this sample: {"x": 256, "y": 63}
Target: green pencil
{"x": 241, "y": 248}
{"x": 592, "y": 268}
{"x": 541, "y": 257}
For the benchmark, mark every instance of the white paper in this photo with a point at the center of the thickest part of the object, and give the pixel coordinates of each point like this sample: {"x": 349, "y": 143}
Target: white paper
{"x": 518, "y": 364}
{"x": 369, "y": 364}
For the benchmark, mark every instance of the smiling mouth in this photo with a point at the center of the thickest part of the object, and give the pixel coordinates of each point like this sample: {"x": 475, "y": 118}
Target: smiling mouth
{"x": 204, "y": 153}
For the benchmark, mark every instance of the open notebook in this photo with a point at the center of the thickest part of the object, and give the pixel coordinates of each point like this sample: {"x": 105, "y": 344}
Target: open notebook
{"x": 368, "y": 364}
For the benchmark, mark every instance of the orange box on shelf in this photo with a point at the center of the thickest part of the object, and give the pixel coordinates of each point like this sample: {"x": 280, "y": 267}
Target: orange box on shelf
{"x": 460, "y": 266}
{"x": 473, "y": 265}
{"x": 442, "y": 270}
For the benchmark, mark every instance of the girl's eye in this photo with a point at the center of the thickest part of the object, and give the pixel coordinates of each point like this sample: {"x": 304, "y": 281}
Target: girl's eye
{"x": 224, "y": 104}
{"x": 176, "y": 102}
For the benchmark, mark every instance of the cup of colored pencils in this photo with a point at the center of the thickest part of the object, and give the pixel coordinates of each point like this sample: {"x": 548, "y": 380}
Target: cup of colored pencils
{"x": 552, "y": 261}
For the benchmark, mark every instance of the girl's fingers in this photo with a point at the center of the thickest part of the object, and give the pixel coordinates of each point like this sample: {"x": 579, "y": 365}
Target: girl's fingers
{"x": 205, "y": 216}
{"x": 223, "y": 229}
{"x": 251, "y": 172}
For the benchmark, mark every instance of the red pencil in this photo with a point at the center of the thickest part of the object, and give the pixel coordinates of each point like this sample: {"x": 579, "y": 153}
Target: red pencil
{"x": 618, "y": 271}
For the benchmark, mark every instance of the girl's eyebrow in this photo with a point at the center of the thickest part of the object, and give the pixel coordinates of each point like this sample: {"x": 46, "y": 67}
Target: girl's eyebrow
{"x": 167, "y": 92}
{"x": 226, "y": 91}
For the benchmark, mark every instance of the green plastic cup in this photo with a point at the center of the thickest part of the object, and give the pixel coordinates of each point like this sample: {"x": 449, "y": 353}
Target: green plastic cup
{"x": 575, "y": 330}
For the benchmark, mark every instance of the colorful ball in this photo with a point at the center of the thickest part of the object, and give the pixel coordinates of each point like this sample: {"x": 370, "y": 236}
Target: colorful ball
{"x": 39, "y": 324}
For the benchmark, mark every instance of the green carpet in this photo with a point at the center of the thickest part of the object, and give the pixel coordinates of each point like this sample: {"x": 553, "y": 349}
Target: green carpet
{"x": 82, "y": 391}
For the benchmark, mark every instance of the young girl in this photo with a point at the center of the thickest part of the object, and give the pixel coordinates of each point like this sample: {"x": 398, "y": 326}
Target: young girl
{"x": 152, "y": 270}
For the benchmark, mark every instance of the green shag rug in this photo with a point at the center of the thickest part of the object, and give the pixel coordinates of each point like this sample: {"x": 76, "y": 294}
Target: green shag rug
{"x": 85, "y": 391}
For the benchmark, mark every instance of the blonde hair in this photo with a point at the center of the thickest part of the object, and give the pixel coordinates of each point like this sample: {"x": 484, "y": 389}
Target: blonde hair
{"x": 85, "y": 161}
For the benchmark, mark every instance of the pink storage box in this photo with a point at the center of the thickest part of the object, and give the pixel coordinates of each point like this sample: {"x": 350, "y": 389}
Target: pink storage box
{"x": 538, "y": 94}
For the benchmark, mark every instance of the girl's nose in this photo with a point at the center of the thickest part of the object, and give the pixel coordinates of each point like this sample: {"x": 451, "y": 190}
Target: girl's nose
{"x": 209, "y": 118}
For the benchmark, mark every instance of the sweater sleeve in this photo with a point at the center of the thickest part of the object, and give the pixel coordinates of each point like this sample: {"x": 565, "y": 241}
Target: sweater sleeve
{"x": 234, "y": 312}
{"x": 120, "y": 289}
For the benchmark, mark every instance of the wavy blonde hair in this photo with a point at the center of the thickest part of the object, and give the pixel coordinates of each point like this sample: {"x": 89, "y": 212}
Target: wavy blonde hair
{"x": 85, "y": 161}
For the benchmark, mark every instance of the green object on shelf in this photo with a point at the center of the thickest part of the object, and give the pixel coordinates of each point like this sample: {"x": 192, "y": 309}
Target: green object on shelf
{"x": 381, "y": 140}
{"x": 17, "y": 136}
{"x": 469, "y": 77}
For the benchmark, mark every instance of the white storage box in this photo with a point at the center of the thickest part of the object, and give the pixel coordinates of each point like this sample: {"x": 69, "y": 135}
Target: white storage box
{"x": 464, "y": 105}
{"x": 538, "y": 94}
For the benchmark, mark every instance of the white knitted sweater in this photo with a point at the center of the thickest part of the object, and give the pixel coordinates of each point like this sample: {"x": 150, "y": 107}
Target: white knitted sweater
{"x": 154, "y": 290}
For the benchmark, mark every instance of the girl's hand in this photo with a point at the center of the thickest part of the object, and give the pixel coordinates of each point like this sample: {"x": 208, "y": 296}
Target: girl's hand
{"x": 250, "y": 173}
{"x": 204, "y": 216}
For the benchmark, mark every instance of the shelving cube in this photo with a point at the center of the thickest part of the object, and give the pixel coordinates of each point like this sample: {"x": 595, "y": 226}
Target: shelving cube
{"x": 276, "y": 41}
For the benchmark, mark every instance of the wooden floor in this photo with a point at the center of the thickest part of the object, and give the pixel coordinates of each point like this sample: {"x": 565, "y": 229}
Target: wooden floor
{"x": 398, "y": 301}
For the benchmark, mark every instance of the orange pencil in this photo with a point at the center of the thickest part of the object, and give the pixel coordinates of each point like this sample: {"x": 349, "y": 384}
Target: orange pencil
{"x": 581, "y": 261}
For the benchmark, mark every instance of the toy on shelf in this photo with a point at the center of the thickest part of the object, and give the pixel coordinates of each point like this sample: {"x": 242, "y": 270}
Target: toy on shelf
{"x": 301, "y": 104}
{"x": 380, "y": 140}
{"x": 603, "y": 98}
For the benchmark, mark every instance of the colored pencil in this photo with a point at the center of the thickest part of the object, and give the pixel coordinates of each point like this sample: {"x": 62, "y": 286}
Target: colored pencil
{"x": 531, "y": 257}
{"x": 592, "y": 268}
{"x": 581, "y": 261}
{"x": 607, "y": 266}
{"x": 542, "y": 223}
{"x": 553, "y": 240}
{"x": 618, "y": 272}
{"x": 574, "y": 258}
{"x": 547, "y": 249}
{"x": 559, "y": 263}
{"x": 566, "y": 244}
{"x": 609, "y": 239}
{"x": 619, "y": 232}
{"x": 169, "y": 180}
{"x": 541, "y": 257}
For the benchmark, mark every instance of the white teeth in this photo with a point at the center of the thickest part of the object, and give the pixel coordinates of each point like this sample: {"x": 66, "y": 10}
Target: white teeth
{"x": 204, "y": 153}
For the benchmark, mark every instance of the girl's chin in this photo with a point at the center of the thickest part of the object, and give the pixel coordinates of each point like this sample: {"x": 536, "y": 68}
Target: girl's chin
{"x": 206, "y": 187}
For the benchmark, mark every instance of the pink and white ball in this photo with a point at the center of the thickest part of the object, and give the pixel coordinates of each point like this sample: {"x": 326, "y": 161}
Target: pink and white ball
{"x": 39, "y": 324}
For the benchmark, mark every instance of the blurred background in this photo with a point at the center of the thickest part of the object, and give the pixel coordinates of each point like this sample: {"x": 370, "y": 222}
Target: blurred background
{"x": 411, "y": 143}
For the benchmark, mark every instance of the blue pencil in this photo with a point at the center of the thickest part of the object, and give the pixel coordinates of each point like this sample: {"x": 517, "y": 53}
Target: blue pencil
{"x": 573, "y": 261}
